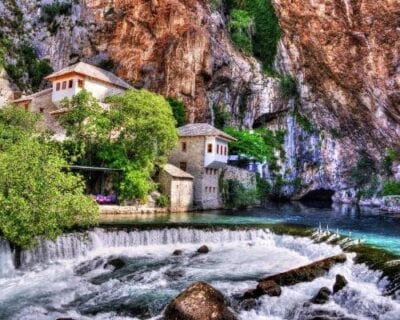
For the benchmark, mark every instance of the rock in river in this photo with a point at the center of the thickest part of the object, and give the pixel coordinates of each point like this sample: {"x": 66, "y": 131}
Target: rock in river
{"x": 203, "y": 250}
{"x": 305, "y": 273}
{"x": 322, "y": 296}
{"x": 199, "y": 302}
{"x": 340, "y": 283}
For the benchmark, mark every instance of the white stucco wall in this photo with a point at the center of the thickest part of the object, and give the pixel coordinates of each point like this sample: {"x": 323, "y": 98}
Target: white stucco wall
{"x": 101, "y": 90}
{"x": 98, "y": 89}
{"x": 215, "y": 160}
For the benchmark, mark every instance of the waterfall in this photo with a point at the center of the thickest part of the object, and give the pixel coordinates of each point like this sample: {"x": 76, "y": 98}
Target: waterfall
{"x": 6, "y": 258}
{"x": 73, "y": 245}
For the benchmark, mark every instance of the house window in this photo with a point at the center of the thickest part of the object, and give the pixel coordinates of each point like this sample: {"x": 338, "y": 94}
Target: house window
{"x": 183, "y": 166}
{"x": 64, "y": 85}
{"x": 226, "y": 151}
{"x": 183, "y": 146}
{"x": 209, "y": 148}
{"x": 58, "y": 86}
{"x": 41, "y": 110}
{"x": 81, "y": 83}
{"x": 206, "y": 189}
{"x": 217, "y": 148}
{"x": 214, "y": 189}
{"x": 70, "y": 84}
{"x": 215, "y": 171}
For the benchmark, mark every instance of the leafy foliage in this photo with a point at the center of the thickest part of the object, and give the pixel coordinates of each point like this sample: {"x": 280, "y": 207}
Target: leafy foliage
{"x": 387, "y": 163}
{"x": 241, "y": 27}
{"x": 162, "y": 201}
{"x": 52, "y": 10}
{"x": 391, "y": 188}
{"x": 221, "y": 117}
{"x": 266, "y": 31}
{"x": 178, "y": 110}
{"x": 28, "y": 64}
{"x": 38, "y": 196}
{"x": 364, "y": 169}
{"x": 135, "y": 135}
{"x": 236, "y": 196}
{"x": 288, "y": 86}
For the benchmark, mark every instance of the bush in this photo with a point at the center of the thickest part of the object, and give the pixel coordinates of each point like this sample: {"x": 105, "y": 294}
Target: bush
{"x": 236, "y": 196}
{"x": 391, "y": 188}
{"x": 52, "y": 10}
{"x": 288, "y": 86}
{"x": 107, "y": 64}
{"x": 178, "y": 110}
{"x": 266, "y": 32}
{"x": 162, "y": 201}
{"x": 387, "y": 163}
{"x": 221, "y": 117}
{"x": 241, "y": 27}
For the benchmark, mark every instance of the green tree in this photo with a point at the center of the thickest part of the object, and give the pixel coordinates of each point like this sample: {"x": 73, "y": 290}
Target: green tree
{"x": 135, "y": 135}
{"x": 363, "y": 170}
{"x": 38, "y": 196}
{"x": 178, "y": 110}
{"x": 241, "y": 27}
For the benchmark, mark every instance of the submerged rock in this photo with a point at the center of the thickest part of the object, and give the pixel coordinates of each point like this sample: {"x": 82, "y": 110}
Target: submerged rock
{"x": 177, "y": 252}
{"x": 199, "y": 302}
{"x": 203, "y": 250}
{"x": 248, "y": 304}
{"x": 305, "y": 273}
{"x": 340, "y": 283}
{"x": 270, "y": 288}
{"x": 116, "y": 264}
{"x": 322, "y": 296}
{"x": 88, "y": 266}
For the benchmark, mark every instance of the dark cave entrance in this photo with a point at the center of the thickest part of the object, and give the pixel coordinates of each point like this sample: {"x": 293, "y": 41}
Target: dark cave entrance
{"x": 319, "y": 195}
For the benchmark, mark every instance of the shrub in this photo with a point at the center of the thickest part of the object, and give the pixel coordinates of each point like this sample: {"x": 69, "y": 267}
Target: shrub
{"x": 266, "y": 32}
{"x": 107, "y": 64}
{"x": 242, "y": 28}
{"x": 387, "y": 163}
{"x": 288, "y": 86}
{"x": 236, "y": 196}
{"x": 162, "y": 201}
{"x": 221, "y": 117}
{"x": 52, "y": 10}
{"x": 391, "y": 188}
{"x": 178, "y": 110}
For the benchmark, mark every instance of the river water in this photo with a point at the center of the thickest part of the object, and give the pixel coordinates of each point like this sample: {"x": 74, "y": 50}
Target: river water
{"x": 71, "y": 277}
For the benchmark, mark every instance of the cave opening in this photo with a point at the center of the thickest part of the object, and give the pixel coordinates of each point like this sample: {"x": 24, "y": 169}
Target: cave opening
{"x": 319, "y": 195}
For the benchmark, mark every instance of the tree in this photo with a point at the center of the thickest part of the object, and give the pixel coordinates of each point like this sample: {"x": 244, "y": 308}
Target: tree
{"x": 38, "y": 196}
{"x": 178, "y": 110}
{"x": 135, "y": 135}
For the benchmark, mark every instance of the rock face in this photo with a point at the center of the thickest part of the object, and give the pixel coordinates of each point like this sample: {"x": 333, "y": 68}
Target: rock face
{"x": 322, "y": 296}
{"x": 199, "y": 302}
{"x": 344, "y": 55}
{"x": 340, "y": 283}
{"x": 305, "y": 273}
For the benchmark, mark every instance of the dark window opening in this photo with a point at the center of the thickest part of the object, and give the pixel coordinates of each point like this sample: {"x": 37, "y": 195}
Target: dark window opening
{"x": 183, "y": 166}
{"x": 70, "y": 84}
{"x": 58, "y": 86}
{"x": 64, "y": 85}
{"x": 81, "y": 83}
{"x": 209, "y": 148}
{"x": 184, "y": 146}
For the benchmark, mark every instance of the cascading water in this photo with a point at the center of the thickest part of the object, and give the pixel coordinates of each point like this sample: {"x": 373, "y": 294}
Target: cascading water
{"x": 73, "y": 277}
{"x": 6, "y": 258}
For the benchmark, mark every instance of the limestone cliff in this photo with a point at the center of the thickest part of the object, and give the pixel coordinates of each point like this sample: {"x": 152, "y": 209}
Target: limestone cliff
{"x": 344, "y": 55}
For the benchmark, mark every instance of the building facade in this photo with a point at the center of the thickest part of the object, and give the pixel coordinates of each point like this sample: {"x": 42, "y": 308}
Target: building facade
{"x": 202, "y": 152}
{"x": 178, "y": 186}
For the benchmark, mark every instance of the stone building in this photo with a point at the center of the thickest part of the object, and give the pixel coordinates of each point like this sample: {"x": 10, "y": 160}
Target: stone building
{"x": 202, "y": 152}
{"x": 178, "y": 186}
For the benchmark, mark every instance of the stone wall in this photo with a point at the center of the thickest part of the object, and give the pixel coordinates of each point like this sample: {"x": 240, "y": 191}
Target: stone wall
{"x": 179, "y": 191}
{"x": 244, "y": 176}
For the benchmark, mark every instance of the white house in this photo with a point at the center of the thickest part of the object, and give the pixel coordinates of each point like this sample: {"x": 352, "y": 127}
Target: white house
{"x": 100, "y": 83}
{"x": 68, "y": 82}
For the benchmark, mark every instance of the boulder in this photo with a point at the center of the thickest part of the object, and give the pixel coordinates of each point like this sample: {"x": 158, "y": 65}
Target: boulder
{"x": 322, "y": 296}
{"x": 270, "y": 288}
{"x": 203, "y": 250}
{"x": 199, "y": 302}
{"x": 340, "y": 283}
{"x": 116, "y": 264}
{"x": 305, "y": 273}
{"x": 248, "y": 304}
{"x": 177, "y": 252}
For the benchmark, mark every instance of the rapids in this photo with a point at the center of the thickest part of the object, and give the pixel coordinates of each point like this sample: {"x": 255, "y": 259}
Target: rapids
{"x": 72, "y": 278}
